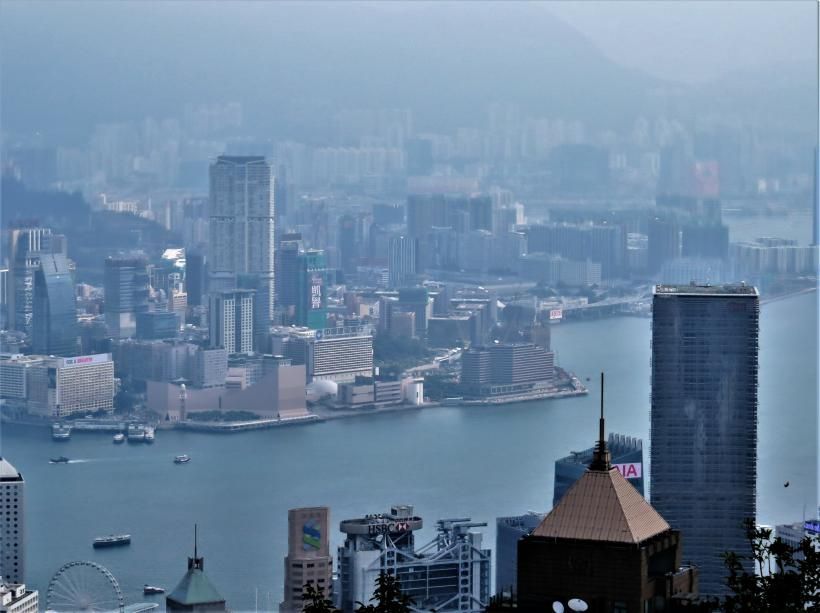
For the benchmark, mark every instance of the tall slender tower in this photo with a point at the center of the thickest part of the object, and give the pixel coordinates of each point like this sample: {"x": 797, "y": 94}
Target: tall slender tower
{"x": 401, "y": 260}
{"x": 704, "y": 419}
{"x": 308, "y": 559}
{"x": 12, "y": 524}
{"x": 241, "y": 224}
{"x": 55, "y": 308}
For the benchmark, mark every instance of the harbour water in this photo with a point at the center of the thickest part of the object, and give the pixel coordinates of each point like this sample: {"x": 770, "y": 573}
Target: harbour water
{"x": 449, "y": 462}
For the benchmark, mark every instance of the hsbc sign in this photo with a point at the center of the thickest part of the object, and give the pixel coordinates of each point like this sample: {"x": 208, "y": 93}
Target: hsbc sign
{"x": 630, "y": 471}
{"x": 388, "y": 528}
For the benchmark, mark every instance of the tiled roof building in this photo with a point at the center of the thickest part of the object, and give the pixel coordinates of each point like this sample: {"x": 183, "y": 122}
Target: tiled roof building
{"x": 195, "y": 593}
{"x": 604, "y": 544}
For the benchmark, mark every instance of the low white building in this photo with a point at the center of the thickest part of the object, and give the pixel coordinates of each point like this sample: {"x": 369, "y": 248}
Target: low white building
{"x": 59, "y": 387}
{"x": 15, "y": 598}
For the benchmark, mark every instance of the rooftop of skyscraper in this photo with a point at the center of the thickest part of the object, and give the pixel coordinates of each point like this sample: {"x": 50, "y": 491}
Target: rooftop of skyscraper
{"x": 240, "y": 159}
{"x": 738, "y": 289}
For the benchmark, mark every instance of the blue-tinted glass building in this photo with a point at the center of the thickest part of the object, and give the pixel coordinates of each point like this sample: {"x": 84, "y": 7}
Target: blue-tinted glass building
{"x": 157, "y": 325}
{"x": 126, "y": 283}
{"x": 627, "y": 457}
{"x": 54, "y": 316}
{"x": 704, "y": 419}
{"x": 508, "y": 531}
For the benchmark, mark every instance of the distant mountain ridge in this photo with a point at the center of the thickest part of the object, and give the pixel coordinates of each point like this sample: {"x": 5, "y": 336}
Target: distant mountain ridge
{"x": 76, "y": 64}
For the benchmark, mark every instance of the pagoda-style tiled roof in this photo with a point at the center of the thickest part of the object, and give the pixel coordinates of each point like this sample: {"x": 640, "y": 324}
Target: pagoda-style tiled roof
{"x": 602, "y": 506}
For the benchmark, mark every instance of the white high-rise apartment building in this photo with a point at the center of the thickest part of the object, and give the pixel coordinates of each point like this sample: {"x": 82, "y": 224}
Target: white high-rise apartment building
{"x": 241, "y": 225}
{"x": 231, "y": 320}
{"x": 12, "y": 524}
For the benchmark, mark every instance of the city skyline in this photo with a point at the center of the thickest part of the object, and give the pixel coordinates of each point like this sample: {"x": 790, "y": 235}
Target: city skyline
{"x": 340, "y": 294}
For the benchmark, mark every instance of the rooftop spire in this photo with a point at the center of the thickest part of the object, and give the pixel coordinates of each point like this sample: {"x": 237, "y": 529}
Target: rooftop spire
{"x": 196, "y": 562}
{"x": 601, "y": 459}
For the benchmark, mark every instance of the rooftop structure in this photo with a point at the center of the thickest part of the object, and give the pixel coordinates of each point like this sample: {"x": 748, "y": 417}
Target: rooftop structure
{"x": 450, "y": 573}
{"x": 604, "y": 544}
{"x": 694, "y": 289}
{"x": 195, "y": 592}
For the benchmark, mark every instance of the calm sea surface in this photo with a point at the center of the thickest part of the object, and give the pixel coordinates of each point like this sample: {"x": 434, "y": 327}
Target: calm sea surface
{"x": 448, "y": 462}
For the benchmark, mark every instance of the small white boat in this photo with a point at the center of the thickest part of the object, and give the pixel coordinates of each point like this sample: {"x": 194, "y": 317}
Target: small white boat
{"x": 119, "y": 437}
{"x": 115, "y": 540}
{"x": 152, "y": 589}
{"x": 149, "y": 435}
{"x": 60, "y": 432}
{"x": 182, "y": 459}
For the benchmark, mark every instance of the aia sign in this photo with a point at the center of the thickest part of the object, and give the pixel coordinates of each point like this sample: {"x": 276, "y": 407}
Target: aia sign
{"x": 629, "y": 471}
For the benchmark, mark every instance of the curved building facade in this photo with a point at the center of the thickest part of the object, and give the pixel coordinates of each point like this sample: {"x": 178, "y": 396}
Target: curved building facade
{"x": 54, "y": 330}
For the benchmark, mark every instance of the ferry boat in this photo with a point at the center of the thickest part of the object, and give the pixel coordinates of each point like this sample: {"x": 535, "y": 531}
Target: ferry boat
{"x": 61, "y": 460}
{"x": 149, "y": 435}
{"x": 113, "y": 540}
{"x": 182, "y": 459}
{"x": 60, "y": 431}
{"x": 152, "y": 589}
{"x": 119, "y": 437}
{"x": 136, "y": 433}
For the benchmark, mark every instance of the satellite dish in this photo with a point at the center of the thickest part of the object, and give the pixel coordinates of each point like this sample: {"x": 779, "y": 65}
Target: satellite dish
{"x": 576, "y": 604}
{"x": 557, "y": 607}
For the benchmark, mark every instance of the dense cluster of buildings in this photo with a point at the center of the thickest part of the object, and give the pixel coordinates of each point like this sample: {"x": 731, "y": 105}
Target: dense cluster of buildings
{"x": 603, "y": 543}
{"x": 450, "y": 573}
{"x": 276, "y": 295}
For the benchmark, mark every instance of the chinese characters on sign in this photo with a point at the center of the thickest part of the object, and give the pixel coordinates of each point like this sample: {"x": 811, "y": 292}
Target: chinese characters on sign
{"x": 316, "y": 292}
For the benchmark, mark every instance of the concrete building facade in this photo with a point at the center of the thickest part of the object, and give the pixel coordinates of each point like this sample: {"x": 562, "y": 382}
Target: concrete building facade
{"x": 12, "y": 524}
{"x": 308, "y": 560}
{"x": 241, "y": 213}
{"x": 59, "y": 387}
{"x": 230, "y": 323}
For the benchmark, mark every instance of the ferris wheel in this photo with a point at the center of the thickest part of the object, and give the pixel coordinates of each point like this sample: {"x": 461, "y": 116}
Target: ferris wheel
{"x": 84, "y": 586}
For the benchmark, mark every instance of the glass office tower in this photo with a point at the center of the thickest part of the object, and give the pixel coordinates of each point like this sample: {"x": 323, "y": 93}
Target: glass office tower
{"x": 54, "y": 322}
{"x": 704, "y": 419}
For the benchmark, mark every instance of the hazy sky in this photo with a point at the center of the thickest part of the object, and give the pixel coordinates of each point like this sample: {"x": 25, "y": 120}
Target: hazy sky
{"x": 694, "y": 41}
{"x": 67, "y": 65}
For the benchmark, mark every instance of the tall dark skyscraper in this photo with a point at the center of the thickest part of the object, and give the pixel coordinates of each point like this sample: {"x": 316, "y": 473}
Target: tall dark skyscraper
{"x": 241, "y": 224}
{"x": 348, "y": 245}
{"x": 54, "y": 328}
{"x": 704, "y": 419}
{"x": 125, "y": 281}
{"x": 815, "y": 220}
{"x": 196, "y": 281}
{"x": 664, "y": 242}
{"x": 287, "y": 272}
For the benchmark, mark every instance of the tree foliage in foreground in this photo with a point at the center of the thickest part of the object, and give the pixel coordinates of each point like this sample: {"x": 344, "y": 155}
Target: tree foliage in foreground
{"x": 387, "y": 598}
{"x": 786, "y": 578}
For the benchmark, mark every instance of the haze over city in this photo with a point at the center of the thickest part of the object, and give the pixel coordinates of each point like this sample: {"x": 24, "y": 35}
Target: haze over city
{"x": 441, "y": 307}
